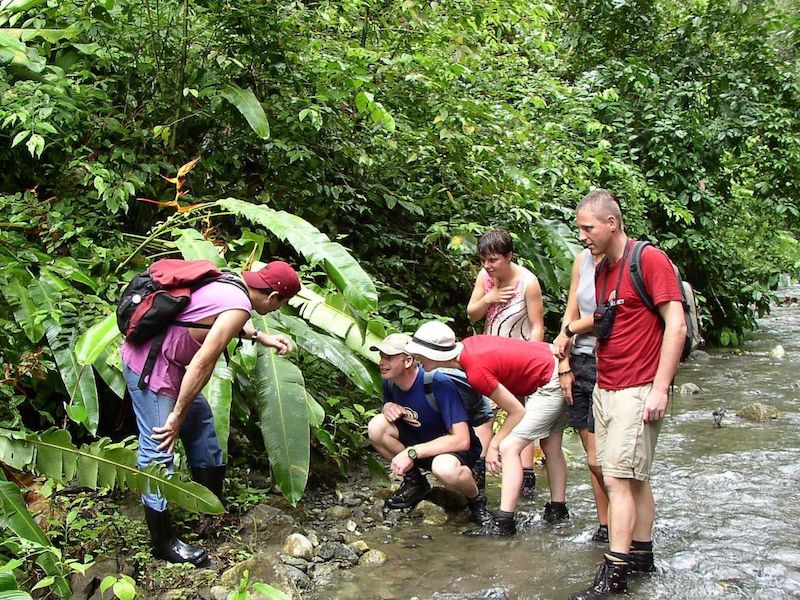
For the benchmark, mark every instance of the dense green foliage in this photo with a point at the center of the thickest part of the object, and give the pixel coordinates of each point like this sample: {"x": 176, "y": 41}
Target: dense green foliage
{"x": 399, "y": 130}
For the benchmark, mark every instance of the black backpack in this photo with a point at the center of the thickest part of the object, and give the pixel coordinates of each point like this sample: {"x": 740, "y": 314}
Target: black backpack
{"x": 151, "y": 301}
{"x": 694, "y": 338}
{"x": 478, "y": 408}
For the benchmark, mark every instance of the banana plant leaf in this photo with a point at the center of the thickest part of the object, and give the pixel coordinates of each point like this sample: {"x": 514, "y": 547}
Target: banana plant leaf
{"x": 316, "y": 414}
{"x": 15, "y": 517}
{"x": 106, "y": 367}
{"x": 219, "y": 393}
{"x": 102, "y": 464}
{"x": 78, "y": 379}
{"x": 246, "y": 103}
{"x": 323, "y": 315}
{"x": 342, "y": 269}
{"x": 194, "y": 246}
{"x": 329, "y": 349}
{"x": 96, "y": 339}
{"x": 281, "y": 403}
{"x": 15, "y": 595}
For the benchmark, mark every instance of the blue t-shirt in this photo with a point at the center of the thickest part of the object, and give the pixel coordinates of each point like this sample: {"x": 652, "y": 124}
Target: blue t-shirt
{"x": 422, "y": 423}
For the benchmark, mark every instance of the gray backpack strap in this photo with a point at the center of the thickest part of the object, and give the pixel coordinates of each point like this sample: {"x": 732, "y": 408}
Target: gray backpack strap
{"x": 427, "y": 382}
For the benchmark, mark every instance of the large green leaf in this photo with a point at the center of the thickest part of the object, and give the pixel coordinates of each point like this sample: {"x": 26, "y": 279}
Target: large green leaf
{"x": 219, "y": 393}
{"x": 96, "y": 339}
{"x": 246, "y": 103}
{"x": 15, "y": 517}
{"x": 101, "y": 464}
{"x": 13, "y": 6}
{"x": 25, "y": 310}
{"x": 194, "y": 246}
{"x": 109, "y": 371}
{"x": 342, "y": 269}
{"x": 281, "y": 402}
{"x": 327, "y": 317}
{"x": 329, "y": 349}
{"x": 78, "y": 379}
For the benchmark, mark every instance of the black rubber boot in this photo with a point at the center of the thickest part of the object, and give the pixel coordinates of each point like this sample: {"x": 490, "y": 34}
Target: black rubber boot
{"x": 479, "y": 510}
{"x": 611, "y": 578}
{"x": 414, "y": 488}
{"x": 495, "y": 526}
{"x": 528, "y": 489}
{"x": 212, "y": 478}
{"x": 642, "y": 562}
{"x": 166, "y": 545}
{"x": 479, "y": 473}
{"x": 555, "y": 512}
{"x": 601, "y": 535}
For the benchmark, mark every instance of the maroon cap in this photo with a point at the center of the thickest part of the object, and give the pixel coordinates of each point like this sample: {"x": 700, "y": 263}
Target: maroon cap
{"x": 277, "y": 275}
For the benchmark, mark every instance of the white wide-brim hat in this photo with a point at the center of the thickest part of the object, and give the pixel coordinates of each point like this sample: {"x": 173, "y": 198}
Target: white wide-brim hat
{"x": 436, "y": 341}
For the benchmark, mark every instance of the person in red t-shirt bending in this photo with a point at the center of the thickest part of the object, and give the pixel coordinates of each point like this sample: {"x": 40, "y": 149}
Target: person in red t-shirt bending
{"x": 507, "y": 370}
{"x": 637, "y": 357}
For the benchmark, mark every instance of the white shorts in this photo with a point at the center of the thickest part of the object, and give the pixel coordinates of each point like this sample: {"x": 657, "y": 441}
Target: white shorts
{"x": 545, "y": 411}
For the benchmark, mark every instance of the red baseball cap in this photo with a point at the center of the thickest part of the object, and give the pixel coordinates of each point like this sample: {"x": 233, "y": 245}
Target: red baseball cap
{"x": 277, "y": 275}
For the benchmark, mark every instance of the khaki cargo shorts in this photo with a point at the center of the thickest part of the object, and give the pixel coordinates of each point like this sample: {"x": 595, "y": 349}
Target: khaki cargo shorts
{"x": 625, "y": 443}
{"x": 545, "y": 411}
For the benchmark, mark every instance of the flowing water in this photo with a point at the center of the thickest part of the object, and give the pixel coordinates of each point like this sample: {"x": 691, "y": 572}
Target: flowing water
{"x": 728, "y": 503}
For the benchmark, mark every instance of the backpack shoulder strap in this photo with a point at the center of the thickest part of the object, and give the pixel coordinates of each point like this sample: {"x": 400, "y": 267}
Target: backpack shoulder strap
{"x": 637, "y": 279}
{"x": 427, "y": 383}
{"x": 233, "y": 279}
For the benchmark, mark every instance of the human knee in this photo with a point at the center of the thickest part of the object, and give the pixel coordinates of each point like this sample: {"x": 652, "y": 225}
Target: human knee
{"x": 445, "y": 468}
{"x": 377, "y": 428}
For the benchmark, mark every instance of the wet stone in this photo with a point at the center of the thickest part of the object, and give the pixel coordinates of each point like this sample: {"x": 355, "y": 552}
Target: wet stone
{"x": 335, "y": 551}
{"x": 299, "y": 578}
{"x": 689, "y": 389}
{"x": 339, "y": 512}
{"x": 297, "y": 563}
{"x": 759, "y": 412}
{"x": 432, "y": 514}
{"x": 359, "y": 547}
{"x": 372, "y": 558}
{"x": 299, "y": 546}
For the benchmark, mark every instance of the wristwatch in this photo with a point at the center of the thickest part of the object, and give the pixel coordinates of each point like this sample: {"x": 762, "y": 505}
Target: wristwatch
{"x": 412, "y": 453}
{"x": 254, "y": 337}
{"x": 568, "y": 331}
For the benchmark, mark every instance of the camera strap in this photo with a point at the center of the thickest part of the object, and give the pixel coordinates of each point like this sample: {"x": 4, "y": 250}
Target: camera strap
{"x": 604, "y": 266}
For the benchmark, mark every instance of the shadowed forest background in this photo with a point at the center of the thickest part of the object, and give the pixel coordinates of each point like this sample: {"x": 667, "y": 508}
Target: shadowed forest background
{"x": 370, "y": 143}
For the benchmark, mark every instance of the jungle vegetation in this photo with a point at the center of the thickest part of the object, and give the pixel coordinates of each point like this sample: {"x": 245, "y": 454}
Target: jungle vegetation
{"x": 370, "y": 143}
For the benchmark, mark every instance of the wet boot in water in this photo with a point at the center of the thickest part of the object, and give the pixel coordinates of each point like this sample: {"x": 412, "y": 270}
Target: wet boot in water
{"x": 414, "y": 488}
{"x": 642, "y": 558}
{"x": 166, "y": 545}
{"x": 479, "y": 510}
{"x": 500, "y": 524}
{"x": 555, "y": 512}
{"x": 610, "y": 579}
{"x": 479, "y": 474}
{"x": 528, "y": 489}
{"x": 601, "y": 535}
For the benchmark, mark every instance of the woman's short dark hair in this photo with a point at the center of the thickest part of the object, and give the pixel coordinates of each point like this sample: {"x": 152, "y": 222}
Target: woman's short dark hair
{"x": 496, "y": 241}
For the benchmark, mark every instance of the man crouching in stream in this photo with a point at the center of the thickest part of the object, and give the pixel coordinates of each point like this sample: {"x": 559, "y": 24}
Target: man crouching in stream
{"x": 413, "y": 435}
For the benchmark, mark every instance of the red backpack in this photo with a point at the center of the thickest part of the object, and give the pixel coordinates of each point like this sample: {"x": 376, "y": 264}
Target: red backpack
{"x": 152, "y": 300}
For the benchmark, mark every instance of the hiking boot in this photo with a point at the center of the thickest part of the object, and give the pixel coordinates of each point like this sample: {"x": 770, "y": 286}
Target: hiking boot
{"x": 528, "y": 489}
{"x": 555, "y": 512}
{"x": 413, "y": 489}
{"x": 479, "y": 473}
{"x": 494, "y": 526}
{"x": 601, "y": 535}
{"x": 609, "y": 579}
{"x": 479, "y": 510}
{"x": 642, "y": 561}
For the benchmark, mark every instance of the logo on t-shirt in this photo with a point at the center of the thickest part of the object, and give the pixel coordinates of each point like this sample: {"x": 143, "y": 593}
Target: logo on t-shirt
{"x": 411, "y": 417}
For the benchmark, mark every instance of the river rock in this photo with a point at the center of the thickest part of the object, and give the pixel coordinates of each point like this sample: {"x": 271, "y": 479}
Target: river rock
{"x": 777, "y": 352}
{"x": 336, "y": 551}
{"x": 759, "y": 412}
{"x": 324, "y": 572}
{"x": 372, "y": 558}
{"x": 265, "y": 525}
{"x": 297, "y": 563}
{"x": 689, "y": 389}
{"x": 698, "y": 356}
{"x": 432, "y": 514}
{"x": 312, "y": 537}
{"x": 449, "y": 500}
{"x": 351, "y": 526}
{"x": 219, "y": 592}
{"x": 300, "y": 579}
{"x": 338, "y": 512}
{"x": 488, "y": 594}
{"x": 264, "y": 567}
{"x": 359, "y": 547}
{"x": 299, "y": 546}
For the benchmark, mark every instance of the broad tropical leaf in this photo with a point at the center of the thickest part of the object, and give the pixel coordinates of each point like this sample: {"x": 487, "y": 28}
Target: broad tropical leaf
{"x": 281, "y": 402}
{"x": 95, "y": 341}
{"x": 329, "y": 349}
{"x": 99, "y": 465}
{"x": 342, "y": 269}
{"x": 78, "y": 379}
{"x": 108, "y": 369}
{"x": 246, "y": 103}
{"x": 194, "y": 246}
{"x": 314, "y": 309}
{"x": 15, "y": 517}
{"x": 25, "y": 309}
{"x": 219, "y": 393}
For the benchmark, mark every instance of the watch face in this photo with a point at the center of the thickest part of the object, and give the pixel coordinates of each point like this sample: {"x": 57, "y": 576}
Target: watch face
{"x": 412, "y": 454}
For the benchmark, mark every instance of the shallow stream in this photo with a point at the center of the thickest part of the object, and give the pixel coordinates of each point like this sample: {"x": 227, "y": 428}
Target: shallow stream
{"x": 728, "y": 503}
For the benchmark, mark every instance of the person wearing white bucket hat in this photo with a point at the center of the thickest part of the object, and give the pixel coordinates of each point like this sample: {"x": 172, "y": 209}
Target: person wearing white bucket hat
{"x": 412, "y": 433}
{"x": 507, "y": 371}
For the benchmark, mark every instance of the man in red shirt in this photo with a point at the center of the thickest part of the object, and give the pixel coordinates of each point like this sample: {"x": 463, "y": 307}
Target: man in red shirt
{"x": 636, "y": 361}
{"x": 507, "y": 371}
